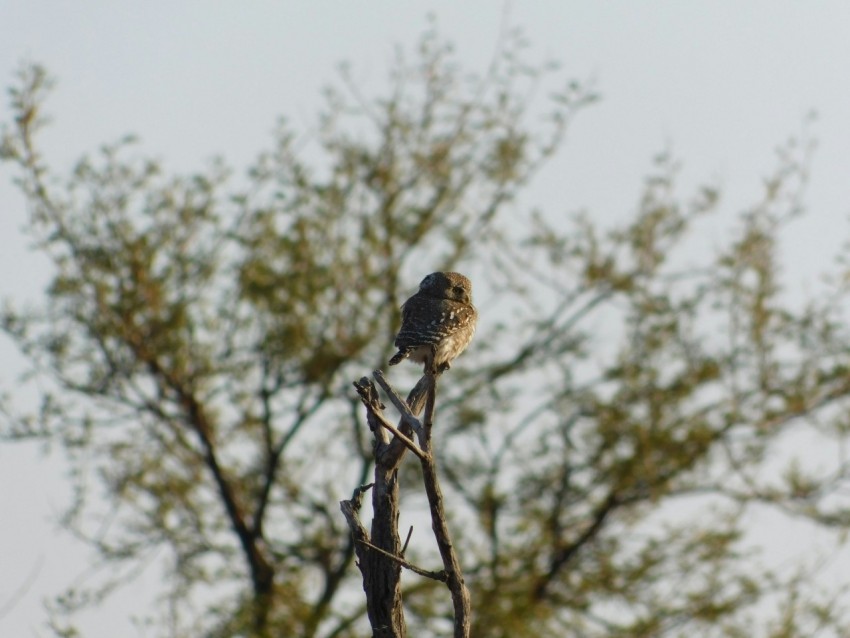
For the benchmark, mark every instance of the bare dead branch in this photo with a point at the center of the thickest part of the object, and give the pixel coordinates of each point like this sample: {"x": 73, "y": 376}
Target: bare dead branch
{"x": 406, "y": 413}
{"x": 374, "y": 408}
{"x": 369, "y": 396}
{"x": 440, "y": 576}
{"x": 409, "y": 443}
{"x": 423, "y": 395}
{"x": 451, "y": 564}
{"x": 352, "y": 506}
{"x": 407, "y": 540}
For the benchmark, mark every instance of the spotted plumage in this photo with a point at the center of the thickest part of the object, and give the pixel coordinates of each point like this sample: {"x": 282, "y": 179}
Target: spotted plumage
{"x": 437, "y": 323}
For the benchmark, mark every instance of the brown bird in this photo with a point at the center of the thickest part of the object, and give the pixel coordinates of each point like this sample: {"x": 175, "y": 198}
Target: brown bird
{"x": 437, "y": 323}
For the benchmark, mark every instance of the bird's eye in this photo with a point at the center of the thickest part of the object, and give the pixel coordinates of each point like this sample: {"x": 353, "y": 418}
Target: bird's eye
{"x": 458, "y": 290}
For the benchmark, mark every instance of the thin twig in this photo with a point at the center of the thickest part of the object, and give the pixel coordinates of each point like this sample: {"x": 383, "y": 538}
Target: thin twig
{"x": 440, "y": 575}
{"x": 374, "y": 408}
{"x": 407, "y": 540}
{"x": 22, "y": 590}
{"x": 411, "y": 445}
{"x": 399, "y": 403}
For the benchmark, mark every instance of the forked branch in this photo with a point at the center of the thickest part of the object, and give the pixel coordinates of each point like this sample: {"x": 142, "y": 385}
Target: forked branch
{"x": 372, "y": 552}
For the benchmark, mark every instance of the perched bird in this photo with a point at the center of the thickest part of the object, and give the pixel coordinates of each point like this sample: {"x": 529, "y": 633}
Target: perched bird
{"x": 437, "y": 323}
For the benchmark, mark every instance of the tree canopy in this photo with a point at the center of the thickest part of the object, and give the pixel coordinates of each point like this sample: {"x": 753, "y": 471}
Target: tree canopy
{"x": 606, "y": 444}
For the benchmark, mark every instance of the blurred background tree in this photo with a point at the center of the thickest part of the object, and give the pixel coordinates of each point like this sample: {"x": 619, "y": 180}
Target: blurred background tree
{"x": 626, "y": 408}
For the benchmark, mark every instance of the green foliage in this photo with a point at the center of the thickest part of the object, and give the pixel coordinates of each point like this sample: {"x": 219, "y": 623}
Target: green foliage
{"x": 605, "y": 441}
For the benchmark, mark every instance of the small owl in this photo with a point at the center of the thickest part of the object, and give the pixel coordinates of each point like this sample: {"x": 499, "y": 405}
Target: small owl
{"x": 437, "y": 323}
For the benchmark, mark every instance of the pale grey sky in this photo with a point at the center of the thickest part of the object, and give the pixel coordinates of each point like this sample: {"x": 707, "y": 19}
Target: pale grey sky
{"x": 722, "y": 83}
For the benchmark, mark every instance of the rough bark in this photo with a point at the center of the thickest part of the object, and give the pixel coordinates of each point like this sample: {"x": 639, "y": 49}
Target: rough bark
{"x": 380, "y": 555}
